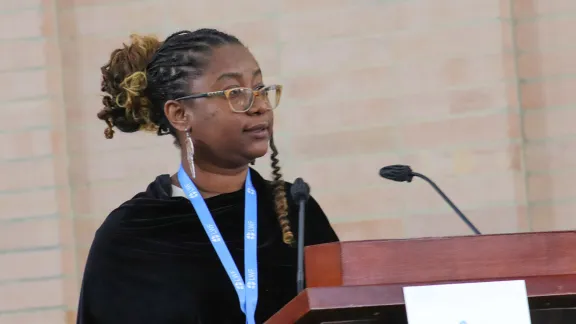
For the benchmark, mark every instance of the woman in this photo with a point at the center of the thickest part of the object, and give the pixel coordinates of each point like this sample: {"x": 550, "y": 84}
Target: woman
{"x": 212, "y": 243}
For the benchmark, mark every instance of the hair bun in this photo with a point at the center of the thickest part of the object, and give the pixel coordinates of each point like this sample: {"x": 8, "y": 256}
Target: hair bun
{"x": 124, "y": 83}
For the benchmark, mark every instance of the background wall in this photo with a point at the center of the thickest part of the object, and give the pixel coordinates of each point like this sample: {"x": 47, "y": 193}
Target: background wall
{"x": 478, "y": 94}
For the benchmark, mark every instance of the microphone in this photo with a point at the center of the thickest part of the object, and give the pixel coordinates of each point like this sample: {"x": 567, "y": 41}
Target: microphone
{"x": 300, "y": 192}
{"x": 403, "y": 173}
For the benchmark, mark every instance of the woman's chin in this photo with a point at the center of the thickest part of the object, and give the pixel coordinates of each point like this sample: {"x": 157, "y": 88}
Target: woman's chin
{"x": 257, "y": 151}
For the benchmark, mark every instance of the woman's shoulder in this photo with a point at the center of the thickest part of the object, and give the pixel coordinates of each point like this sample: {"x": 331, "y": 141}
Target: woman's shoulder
{"x": 144, "y": 209}
{"x": 149, "y": 227}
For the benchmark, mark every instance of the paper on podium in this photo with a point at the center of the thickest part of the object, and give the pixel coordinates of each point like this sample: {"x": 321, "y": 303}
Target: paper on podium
{"x": 501, "y": 302}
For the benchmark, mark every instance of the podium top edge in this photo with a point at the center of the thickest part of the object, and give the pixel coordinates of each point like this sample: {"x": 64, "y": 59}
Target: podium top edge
{"x": 457, "y": 237}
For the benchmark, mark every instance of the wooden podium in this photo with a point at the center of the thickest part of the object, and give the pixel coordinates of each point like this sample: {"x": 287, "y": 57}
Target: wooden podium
{"x": 361, "y": 282}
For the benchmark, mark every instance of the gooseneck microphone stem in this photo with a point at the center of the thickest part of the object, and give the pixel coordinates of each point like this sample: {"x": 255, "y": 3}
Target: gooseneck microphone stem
{"x": 403, "y": 173}
{"x": 448, "y": 201}
{"x": 300, "y": 266}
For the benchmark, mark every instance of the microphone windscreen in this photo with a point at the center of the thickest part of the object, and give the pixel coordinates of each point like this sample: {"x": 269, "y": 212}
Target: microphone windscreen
{"x": 300, "y": 190}
{"x": 400, "y": 173}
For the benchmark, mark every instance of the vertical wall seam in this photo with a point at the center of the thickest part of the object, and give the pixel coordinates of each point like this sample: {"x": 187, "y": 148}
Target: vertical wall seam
{"x": 518, "y": 84}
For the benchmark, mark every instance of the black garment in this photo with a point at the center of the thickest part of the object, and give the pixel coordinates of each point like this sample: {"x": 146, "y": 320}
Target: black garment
{"x": 152, "y": 263}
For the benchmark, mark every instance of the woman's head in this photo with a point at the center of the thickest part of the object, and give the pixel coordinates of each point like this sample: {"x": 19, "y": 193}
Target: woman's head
{"x": 204, "y": 84}
{"x": 165, "y": 86}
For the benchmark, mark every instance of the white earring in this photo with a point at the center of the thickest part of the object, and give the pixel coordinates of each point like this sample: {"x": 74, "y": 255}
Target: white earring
{"x": 190, "y": 153}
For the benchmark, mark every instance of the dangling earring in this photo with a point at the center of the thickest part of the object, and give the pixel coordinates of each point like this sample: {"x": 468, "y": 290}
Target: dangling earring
{"x": 190, "y": 153}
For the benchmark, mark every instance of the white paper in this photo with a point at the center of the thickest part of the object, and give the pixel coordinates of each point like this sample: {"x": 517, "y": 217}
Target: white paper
{"x": 501, "y": 302}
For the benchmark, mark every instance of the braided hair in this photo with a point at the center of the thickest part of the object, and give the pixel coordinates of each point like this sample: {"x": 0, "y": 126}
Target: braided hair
{"x": 140, "y": 77}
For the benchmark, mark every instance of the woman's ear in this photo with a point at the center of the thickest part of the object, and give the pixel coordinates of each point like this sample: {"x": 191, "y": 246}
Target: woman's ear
{"x": 178, "y": 115}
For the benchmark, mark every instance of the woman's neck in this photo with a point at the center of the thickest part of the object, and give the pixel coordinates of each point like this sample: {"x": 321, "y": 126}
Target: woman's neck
{"x": 212, "y": 181}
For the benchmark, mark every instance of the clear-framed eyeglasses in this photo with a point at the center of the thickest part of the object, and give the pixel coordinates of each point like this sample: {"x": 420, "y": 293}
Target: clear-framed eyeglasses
{"x": 241, "y": 100}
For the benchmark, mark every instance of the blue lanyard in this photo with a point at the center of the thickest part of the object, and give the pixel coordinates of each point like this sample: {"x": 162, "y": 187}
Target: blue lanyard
{"x": 247, "y": 293}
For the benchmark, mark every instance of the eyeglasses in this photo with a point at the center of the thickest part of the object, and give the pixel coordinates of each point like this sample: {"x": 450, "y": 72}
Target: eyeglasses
{"x": 242, "y": 99}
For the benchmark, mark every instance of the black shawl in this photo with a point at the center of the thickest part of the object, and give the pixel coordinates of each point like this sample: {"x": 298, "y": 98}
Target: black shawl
{"x": 152, "y": 263}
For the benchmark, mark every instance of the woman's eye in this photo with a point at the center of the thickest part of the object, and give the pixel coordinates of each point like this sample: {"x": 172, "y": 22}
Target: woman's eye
{"x": 235, "y": 92}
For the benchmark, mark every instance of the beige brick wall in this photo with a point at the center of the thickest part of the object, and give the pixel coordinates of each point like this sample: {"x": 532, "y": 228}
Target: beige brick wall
{"x": 478, "y": 94}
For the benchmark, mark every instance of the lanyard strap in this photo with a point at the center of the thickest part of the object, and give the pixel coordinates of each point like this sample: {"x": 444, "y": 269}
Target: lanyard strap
{"x": 247, "y": 289}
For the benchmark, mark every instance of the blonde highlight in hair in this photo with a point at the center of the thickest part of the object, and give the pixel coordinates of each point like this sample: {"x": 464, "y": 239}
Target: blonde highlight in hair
{"x": 133, "y": 96}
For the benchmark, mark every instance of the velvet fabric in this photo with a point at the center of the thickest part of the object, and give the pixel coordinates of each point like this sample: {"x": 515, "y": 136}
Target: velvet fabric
{"x": 151, "y": 261}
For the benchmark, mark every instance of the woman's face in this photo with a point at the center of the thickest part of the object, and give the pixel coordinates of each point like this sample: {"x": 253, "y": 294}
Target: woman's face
{"x": 221, "y": 135}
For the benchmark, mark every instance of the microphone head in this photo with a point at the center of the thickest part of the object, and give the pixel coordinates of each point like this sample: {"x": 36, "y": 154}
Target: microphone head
{"x": 300, "y": 190}
{"x": 400, "y": 173}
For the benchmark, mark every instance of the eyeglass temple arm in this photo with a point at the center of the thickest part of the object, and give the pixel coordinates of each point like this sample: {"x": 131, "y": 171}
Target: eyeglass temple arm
{"x": 201, "y": 95}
